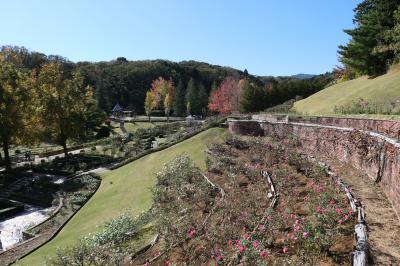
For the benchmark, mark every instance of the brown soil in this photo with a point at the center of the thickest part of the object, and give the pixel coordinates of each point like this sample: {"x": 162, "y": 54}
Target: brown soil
{"x": 382, "y": 221}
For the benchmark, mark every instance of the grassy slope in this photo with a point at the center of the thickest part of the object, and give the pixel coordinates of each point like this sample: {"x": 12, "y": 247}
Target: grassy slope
{"x": 122, "y": 189}
{"x": 382, "y": 88}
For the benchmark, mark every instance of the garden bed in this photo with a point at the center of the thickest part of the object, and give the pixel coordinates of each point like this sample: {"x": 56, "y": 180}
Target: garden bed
{"x": 312, "y": 222}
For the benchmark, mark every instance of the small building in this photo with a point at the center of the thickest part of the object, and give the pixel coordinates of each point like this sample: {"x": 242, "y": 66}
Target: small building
{"x": 117, "y": 110}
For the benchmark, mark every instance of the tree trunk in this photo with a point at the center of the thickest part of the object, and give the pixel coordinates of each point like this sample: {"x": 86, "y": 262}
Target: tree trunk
{"x": 64, "y": 145}
{"x": 7, "y": 160}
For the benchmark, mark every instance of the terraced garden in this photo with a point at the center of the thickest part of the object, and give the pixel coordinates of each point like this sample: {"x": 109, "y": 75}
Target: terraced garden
{"x": 126, "y": 188}
{"x": 235, "y": 221}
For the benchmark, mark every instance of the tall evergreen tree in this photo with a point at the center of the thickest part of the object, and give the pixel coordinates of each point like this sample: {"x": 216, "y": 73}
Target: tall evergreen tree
{"x": 253, "y": 98}
{"x": 392, "y": 38}
{"x": 191, "y": 97}
{"x": 373, "y": 18}
{"x": 179, "y": 99}
{"x": 202, "y": 99}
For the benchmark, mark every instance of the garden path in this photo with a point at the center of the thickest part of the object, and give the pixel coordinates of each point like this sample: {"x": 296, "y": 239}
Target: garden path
{"x": 382, "y": 221}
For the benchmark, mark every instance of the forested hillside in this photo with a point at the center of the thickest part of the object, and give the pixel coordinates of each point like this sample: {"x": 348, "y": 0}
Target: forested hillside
{"x": 127, "y": 82}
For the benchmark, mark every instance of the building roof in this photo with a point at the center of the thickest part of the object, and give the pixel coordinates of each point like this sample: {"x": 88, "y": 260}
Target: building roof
{"x": 117, "y": 108}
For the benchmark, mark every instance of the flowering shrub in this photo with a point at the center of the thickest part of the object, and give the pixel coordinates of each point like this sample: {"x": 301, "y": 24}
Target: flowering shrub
{"x": 180, "y": 193}
{"x": 311, "y": 212}
{"x": 101, "y": 248}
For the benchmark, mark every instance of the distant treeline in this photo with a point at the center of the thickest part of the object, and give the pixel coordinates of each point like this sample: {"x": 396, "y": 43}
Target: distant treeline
{"x": 127, "y": 82}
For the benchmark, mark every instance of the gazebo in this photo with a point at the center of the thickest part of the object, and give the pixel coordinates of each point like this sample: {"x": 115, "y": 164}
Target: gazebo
{"x": 117, "y": 110}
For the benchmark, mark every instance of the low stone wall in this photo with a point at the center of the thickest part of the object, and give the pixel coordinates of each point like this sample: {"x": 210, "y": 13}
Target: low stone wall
{"x": 390, "y": 128}
{"x": 367, "y": 151}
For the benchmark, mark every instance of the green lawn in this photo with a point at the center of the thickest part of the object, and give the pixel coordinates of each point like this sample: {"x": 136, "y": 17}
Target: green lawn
{"x": 126, "y": 188}
{"x": 131, "y": 127}
{"x": 379, "y": 89}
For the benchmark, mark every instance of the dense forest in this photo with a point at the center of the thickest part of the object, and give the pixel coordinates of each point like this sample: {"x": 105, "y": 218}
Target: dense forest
{"x": 127, "y": 82}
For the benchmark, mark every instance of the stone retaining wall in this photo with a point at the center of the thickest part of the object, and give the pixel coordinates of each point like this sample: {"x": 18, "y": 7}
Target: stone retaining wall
{"x": 390, "y": 128}
{"x": 371, "y": 153}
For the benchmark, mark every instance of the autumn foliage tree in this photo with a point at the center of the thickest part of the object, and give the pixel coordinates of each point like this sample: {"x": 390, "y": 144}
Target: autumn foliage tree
{"x": 64, "y": 103}
{"x": 149, "y": 104}
{"x": 160, "y": 95}
{"x": 16, "y": 114}
{"x": 227, "y": 97}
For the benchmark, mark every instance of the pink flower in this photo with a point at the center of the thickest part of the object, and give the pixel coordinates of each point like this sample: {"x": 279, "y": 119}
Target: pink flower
{"x": 332, "y": 202}
{"x": 296, "y": 228}
{"x": 191, "y": 233}
{"x": 285, "y": 250}
{"x": 340, "y": 221}
{"x": 229, "y": 243}
{"x": 255, "y": 244}
{"x": 263, "y": 253}
{"x": 241, "y": 248}
{"x": 247, "y": 236}
{"x": 318, "y": 209}
{"x": 305, "y": 234}
{"x": 219, "y": 258}
{"x": 261, "y": 227}
{"x": 346, "y": 217}
{"x": 339, "y": 210}
{"x": 293, "y": 216}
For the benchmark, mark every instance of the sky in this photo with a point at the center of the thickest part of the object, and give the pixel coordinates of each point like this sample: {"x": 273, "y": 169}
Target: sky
{"x": 266, "y": 37}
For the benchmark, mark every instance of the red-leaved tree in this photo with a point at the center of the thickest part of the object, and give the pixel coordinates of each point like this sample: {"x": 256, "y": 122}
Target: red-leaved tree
{"x": 227, "y": 97}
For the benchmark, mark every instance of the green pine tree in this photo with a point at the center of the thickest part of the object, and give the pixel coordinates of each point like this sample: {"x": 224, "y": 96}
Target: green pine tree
{"x": 191, "y": 97}
{"x": 202, "y": 99}
{"x": 179, "y": 99}
{"x": 373, "y": 19}
{"x": 253, "y": 98}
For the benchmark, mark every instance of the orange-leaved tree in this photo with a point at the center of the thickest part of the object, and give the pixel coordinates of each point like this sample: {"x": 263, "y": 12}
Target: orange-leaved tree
{"x": 160, "y": 95}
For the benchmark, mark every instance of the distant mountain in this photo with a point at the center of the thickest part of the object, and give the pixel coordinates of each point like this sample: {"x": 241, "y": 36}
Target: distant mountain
{"x": 303, "y": 76}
